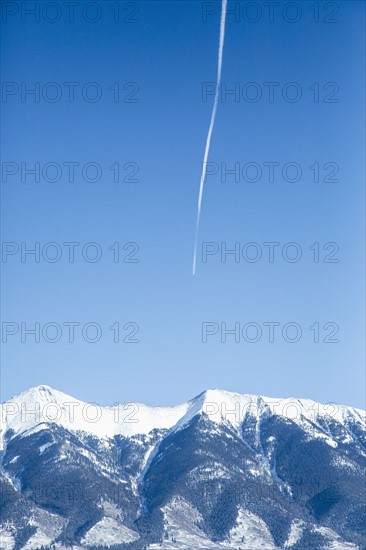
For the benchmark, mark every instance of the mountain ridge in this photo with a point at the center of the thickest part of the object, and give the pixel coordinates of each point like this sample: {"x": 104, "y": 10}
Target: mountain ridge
{"x": 214, "y": 402}
{"x": 222, "y": 470}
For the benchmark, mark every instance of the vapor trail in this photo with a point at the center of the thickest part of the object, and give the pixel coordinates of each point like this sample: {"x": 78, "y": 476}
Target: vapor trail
{"x": 212, "y": 122}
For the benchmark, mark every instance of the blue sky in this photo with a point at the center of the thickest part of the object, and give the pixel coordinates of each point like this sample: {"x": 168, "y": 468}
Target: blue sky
{"x": 162, "y": 56}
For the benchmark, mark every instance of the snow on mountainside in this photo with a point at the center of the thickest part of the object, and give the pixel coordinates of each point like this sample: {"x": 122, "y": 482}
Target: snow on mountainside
{"x": 221, "y": 471}
{"x": 182, "y": 532}
{"x": 44, "y": 405}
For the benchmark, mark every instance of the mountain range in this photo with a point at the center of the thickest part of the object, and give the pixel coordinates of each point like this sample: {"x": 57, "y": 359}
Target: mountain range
{"x": 221, "y": 471}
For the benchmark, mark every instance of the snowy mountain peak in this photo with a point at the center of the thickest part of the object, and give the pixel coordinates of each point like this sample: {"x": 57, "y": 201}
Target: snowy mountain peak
{"x": 40, "y": 394}
{"x": 43, "y": 405}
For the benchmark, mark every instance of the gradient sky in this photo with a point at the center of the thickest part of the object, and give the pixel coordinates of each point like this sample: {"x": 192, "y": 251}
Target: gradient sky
{"x": 168, "y": 54}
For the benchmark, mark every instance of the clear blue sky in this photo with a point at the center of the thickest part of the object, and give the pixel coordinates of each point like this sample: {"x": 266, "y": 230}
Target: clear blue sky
{"x": 168, "y": 53}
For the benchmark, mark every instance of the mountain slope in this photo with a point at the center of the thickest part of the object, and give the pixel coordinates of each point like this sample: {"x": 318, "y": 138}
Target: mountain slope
{"x": 223, "y": 470}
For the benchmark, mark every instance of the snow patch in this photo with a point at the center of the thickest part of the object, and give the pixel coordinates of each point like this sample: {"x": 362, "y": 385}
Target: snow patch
{"x": 109, "y": 531}
{"x": 250, "y": 532}
{"x": 7, "y": 538}
{"x": 44, "y": 447}
{"x": 334, "y": 540}
{"x": 181, "y": 528}
{"x": 296, "y": 530}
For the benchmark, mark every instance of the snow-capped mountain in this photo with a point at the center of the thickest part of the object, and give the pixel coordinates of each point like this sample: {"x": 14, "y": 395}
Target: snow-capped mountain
{"x": 223, "y": 470}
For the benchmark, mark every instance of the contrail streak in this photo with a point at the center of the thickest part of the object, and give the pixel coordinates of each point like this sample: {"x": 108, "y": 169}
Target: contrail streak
{"x": 212, "y": 122}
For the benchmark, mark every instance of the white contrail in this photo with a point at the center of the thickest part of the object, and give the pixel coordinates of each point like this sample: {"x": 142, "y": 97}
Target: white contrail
{"x": 212, "y": 122}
